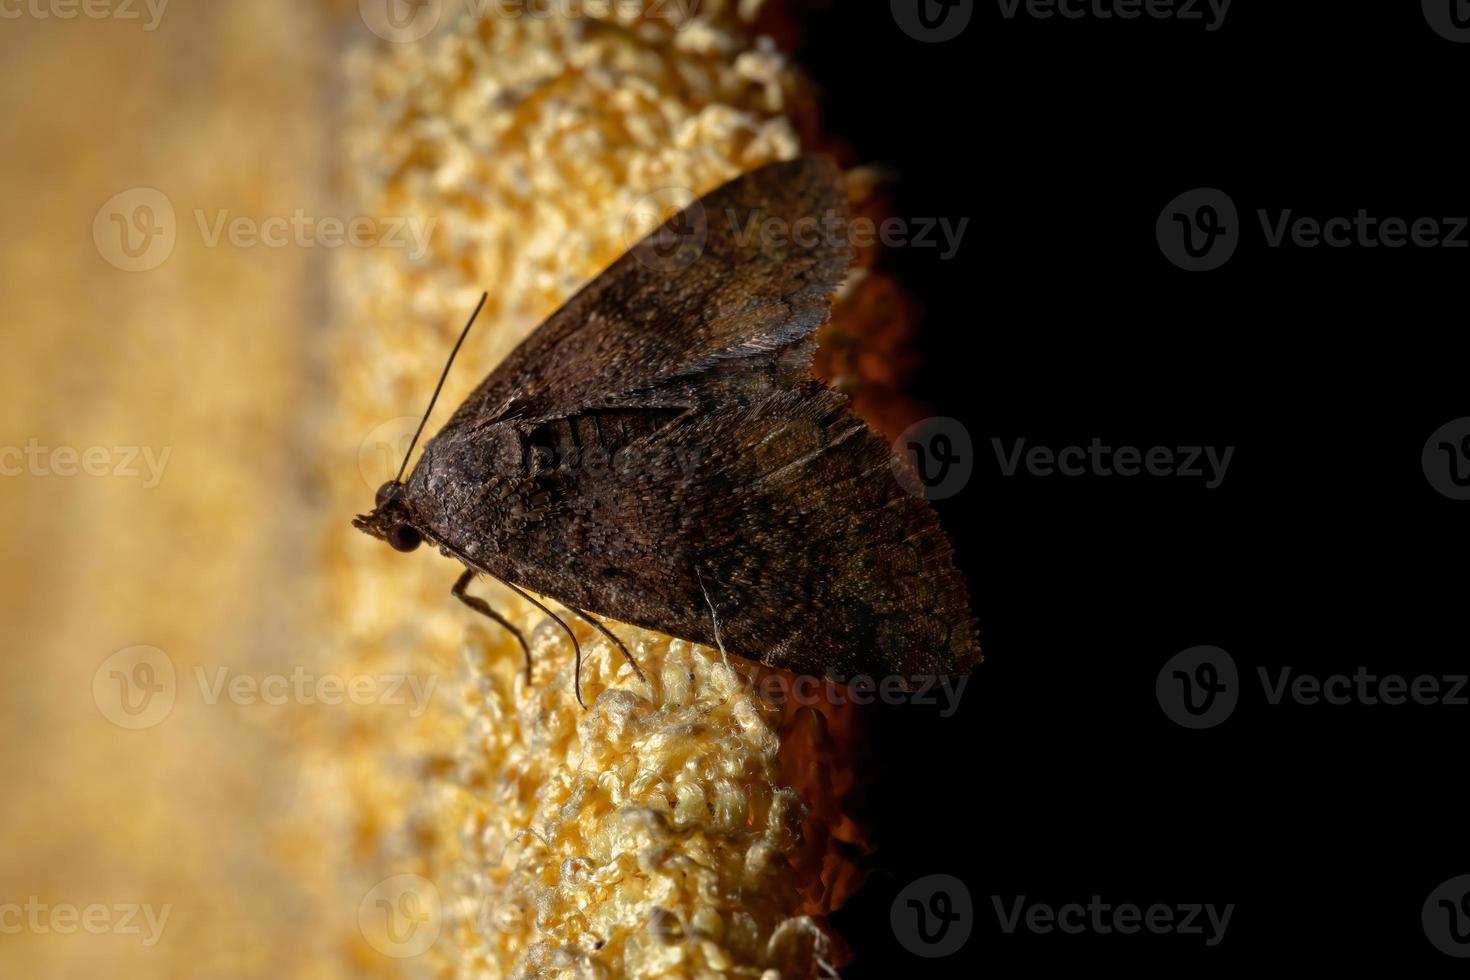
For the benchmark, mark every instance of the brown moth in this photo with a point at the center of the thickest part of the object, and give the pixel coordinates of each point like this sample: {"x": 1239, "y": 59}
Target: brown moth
{"x": 659, "y": 453}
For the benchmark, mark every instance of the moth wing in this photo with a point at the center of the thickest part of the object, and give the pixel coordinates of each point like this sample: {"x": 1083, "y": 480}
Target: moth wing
{"x": 678, "y": 449}
{"x": 705, "y": 288}
{"x": 783, "y": 509}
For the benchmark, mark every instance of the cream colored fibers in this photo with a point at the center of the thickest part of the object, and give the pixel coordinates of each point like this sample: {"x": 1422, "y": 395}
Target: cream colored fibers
{"x": 409, "y": 807}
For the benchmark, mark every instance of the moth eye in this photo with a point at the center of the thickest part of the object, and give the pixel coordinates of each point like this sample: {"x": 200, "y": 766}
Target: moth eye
{"x": 387, "y": 490}
{"x": 404, "y": 537}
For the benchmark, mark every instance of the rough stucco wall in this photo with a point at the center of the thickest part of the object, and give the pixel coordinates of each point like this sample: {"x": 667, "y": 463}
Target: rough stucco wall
{"x": 201, "y": 356}
{"x": 655, "y": 832}
{"x": 274, "y": 377}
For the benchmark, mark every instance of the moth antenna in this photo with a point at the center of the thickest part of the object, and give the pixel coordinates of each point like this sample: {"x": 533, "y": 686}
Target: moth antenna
{"x": 439, "y": 387}
{"x": 714, "y": 618}
{"x": 576, "y": 647}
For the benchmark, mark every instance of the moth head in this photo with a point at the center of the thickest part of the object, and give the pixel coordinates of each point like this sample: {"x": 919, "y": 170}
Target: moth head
{"x": 391, "y": 519}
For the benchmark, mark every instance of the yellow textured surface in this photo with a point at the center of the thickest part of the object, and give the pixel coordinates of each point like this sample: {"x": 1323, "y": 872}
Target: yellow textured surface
{"x": 203, "y": 355}
{"x": 652, "y": 835}
{"x": 681, "y": 825}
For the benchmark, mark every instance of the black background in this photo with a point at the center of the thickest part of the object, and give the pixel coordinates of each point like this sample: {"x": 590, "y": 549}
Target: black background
{"x": 1324, "y": 549}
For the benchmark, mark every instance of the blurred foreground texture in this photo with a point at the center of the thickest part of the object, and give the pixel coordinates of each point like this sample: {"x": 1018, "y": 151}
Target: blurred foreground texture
{"x": 683, "y": 827}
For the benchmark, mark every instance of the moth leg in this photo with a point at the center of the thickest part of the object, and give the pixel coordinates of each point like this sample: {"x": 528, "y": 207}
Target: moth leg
{"x": 613, "y": 637}
{"x": 576, "y": 647}
{"x": 483, "y": 608}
